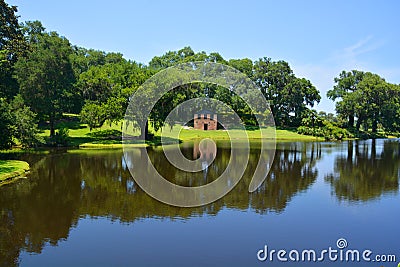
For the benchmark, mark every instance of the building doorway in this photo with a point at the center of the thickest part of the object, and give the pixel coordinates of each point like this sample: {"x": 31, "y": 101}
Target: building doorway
{"x": 205, "y": 126}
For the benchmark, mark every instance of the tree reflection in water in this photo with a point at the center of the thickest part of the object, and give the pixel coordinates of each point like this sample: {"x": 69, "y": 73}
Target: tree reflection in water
{"x": 64, "y": 187}
{"x": 368, "y": 170}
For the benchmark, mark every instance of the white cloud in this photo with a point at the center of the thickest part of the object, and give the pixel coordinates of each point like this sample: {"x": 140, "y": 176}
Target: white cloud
{"x": 322, "y": 74}
{"x": 351, "y": 57}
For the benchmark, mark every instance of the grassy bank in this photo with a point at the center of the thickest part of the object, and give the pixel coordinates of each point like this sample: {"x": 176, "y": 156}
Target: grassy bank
{"x": 280, "y": 134}
{"x": 12, "y": 169}
{"x": 109, "y": 136}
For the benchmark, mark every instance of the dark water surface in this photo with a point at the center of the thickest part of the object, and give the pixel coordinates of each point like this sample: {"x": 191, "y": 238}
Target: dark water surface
{"x": 82, "y": 208}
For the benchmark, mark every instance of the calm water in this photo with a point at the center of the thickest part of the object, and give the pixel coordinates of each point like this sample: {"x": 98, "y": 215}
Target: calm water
{"x": 82, "y": 208}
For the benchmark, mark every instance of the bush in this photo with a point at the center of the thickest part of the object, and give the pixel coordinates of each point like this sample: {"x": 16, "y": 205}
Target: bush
{"x": 61, "y": 138}
{"x": 328, "y": 131}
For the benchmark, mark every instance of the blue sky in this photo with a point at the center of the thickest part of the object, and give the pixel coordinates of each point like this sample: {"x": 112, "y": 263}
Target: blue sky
{"x": 317, "y": 38}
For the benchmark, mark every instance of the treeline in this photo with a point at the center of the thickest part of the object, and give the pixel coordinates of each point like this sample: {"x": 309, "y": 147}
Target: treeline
{"x": 43, "y": 76}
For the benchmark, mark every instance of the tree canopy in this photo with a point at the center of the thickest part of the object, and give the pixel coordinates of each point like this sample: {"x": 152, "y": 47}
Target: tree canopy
{"x": 43, "y": 76}
{"x": 367, "y": 97}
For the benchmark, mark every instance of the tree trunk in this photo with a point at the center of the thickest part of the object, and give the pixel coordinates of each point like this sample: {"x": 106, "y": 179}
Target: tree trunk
{"x": 374, "y": 126}
{"x": 52, "y": 130}
{"x": 373, "y": 151}
{"x": 351, "y": 121}
{"x": 144, "y": 131}
{"x": 350, "y": 151}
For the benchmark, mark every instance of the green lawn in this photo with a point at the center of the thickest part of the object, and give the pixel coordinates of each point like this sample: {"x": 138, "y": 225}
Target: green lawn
{"x": 280, "y": 135}
{"x": 10, "y": 169}
{"x": 109, "y": 136}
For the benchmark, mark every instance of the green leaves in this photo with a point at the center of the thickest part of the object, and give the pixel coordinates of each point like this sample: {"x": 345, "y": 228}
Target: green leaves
{"x": 369, "y": 98}
{"x": 6, "y": 125}
{"x": 18, "y": 124}
{"x": 287, "y": 93}
{"x": 93, "y": 114}
{"x": 25, "y": 124}
{"x": 45, "y": 76}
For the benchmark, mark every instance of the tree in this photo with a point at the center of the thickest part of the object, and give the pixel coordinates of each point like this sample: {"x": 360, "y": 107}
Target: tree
{"x": 25, "y": 123}
{"x": 171, "y": 58}
{"x": 12, "y": 45}
{"x": 287, "y": 93}
{"x": 367, "y": 97}
{"x": 391, "y": 110}
{"x": 371, "y": 98}
{"x": 366, "y": 175}
{"x": 6, "y": 125}
{"x": 17, "y": 122}
{"x": 345, "y": 84}
{"x": 183, "y": 55}
{"x": 110, "y": 87}
{"x": 244, "y": 65}
{"x": 45, "y": 76}
{"x": 95, "y": 84}
{"x": 93, "y": 114}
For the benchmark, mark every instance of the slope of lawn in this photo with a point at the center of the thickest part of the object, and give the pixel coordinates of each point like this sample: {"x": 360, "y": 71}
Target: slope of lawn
{"x": 10, "y": 169}
{"x": 109, "y": 135}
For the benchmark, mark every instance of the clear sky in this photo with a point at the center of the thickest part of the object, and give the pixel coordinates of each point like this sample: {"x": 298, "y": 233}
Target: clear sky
{"x": 318, "y": 38}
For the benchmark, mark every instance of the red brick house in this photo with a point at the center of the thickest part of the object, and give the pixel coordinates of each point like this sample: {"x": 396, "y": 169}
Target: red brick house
{"x": 205, "y": 120}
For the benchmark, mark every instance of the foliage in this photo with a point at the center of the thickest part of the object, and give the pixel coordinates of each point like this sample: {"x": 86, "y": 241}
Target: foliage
{"x": 92, "y": 114}
{"x": 183, "y": 55}
{"x": 18, "y": 123}
{"x": 45, "y": 75}
{"x": 369, "y": 98}
{"x": 25, "y": 124}
{"x": 244, "y": 65}
{"x": 287, "y": 93}
{"x": 106, "y": 134}
{"x": 61, "y": 138}
{"x": 54, "y": 77}
{"x": 313, "y": 124}
{"x": 6, "y": 125}
{"x": 12, "y": 45}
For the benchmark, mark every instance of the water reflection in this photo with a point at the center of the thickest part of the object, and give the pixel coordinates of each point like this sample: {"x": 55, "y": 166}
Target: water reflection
{"x": 294, "y": 170}
{"x": 368, "y": 170}
{"x": 64, "y": 187}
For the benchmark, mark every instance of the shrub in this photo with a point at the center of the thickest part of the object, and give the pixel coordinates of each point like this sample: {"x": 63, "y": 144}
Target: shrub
{"x": 61, "y": 138}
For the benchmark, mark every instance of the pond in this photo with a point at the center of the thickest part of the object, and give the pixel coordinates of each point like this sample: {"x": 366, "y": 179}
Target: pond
{"x": 83, "y": 208}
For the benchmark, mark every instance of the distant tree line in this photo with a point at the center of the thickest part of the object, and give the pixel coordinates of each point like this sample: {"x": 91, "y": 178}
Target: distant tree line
{"x": 43, "y": 76}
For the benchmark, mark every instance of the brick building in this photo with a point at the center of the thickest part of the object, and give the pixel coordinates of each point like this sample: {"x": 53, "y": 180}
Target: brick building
{"x": 205, "y": 120}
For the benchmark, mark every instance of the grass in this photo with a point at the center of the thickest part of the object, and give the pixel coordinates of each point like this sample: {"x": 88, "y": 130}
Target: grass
{"x": 81, "y": 135}
{"x": 109, "y": 136}
{"x": 280, "y": 134}
{"x": 11, "y": 169}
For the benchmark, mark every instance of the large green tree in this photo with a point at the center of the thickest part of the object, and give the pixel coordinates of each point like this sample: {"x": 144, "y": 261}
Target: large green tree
{"x": 368, "y": 98}
{"x": 287, "y": 94}
{"x": 345, "y": 85}
{"x": 244, "y": 65}
{"x": 12, "y": 45}
{"x": 6, "y": 125}
{"x": 107, "y": 88}
{"x": 45, "y": 75}
{"x": 25, "y": 123}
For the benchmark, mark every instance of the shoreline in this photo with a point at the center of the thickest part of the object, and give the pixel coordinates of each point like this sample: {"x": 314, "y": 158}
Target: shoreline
{"x": 12, "y": 170}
